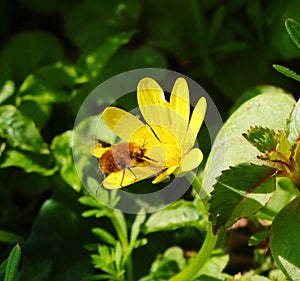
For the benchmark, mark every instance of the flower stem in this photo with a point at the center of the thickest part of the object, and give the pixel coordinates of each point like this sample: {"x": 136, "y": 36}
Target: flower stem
{"x": 201, "y": 257}
{"x": 129, "y": 269}
{"x": 208, "y": 245}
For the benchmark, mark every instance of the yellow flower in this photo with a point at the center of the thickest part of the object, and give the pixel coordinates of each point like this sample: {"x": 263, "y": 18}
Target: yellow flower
{"x": 166, "y": 138}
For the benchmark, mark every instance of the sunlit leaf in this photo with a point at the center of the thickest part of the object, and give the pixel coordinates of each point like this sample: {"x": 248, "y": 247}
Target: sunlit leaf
{"x": 49, "y": 84}
{"x": 181, "y": 213}
{"x": 294, "y": 124}
{"x": 94, "y": 59}
{"x": 285, "y": 192}
{"x": 20, "y": 131}
{"x": 28, "y": 161}
{"x": 213, "y": 268}
{"x": 6, "y": 90}
{"x": 62, "y": 150}
{"x": 240, "y": 192}
{"x": 104, "y": 235}
{"x": 230, "y": 148}
{"x": 136, "y": 228}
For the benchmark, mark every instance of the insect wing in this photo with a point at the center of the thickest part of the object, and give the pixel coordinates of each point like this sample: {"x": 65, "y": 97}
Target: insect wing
{"x": 98, "y": 150}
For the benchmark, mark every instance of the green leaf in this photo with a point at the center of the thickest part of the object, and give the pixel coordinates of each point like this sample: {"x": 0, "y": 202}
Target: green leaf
{"x": 230, "y": 148}
{"x": 62, "y": 151}
{"x": 10, "y": 237}
{"x": 293, "y": 29}
{"x": 90, "y": 201}
{"x": 216, "y": 24}
{"x": 104, "y": 236}
{"x": 58, "y": 229}
{"x": 285, "y": 192}
{"x": 39, "y": 113}
{"x": 283, "y": 149}
{"x": 28, "y": 161}
{"x": 3, "y": 267}
{"x": 6, "y": 90}
{"x": 264, "y": 139}
{"x": 294, "y": 124}
{"x": 49, "y": 84}
{"x": 258, "y": 237}
{"x": 213, "y": 268}
{"x": 240, "y": 192}
{"x": 12, "y": 263}
{"x": 20, "y": 131}
{"x": 180, "y": 214}
{"x": 287, "y": 72}
{"x": 29, "y": 50}
{"x": 94, "y": 60}
{"x": 146, "y": 56}
{"x": 136, "y": 228}
{"x": 285, "y": 243}
{"x": 166, "y": 265}
{"x": 89, "y": 23}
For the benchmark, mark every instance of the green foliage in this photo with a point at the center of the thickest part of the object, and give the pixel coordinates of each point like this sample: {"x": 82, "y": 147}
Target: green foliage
{"x": 293, "y": 127}
{"x": 173, "y": 261}
{"x": 10, "y": 237}
{"x": 54, "y": 53}
{"x": 20, "y": 131}
{"x": 285, "y": 239}
{"x": 293, "y": 29}
{"x": 93, "y": 60}
{"x": 179, "y": 214}
{"x": 33, "y": 54}
{"x": 244, "y": 189}
{"x": 268, "y": 110}
{"x": 240, "y": 192}
{"x": 264, "y": 139}
{"x": 259, "y": 237}
{"x": 287, "y": 72}
{"x": 11, "y": 264}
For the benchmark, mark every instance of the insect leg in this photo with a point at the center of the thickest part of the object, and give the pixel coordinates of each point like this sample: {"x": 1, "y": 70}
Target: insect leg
{"x": 135, "y": 177}
{"x": 122, "y": 177}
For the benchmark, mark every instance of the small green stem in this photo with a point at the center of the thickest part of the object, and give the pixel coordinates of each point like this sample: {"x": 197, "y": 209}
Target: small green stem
{"x": 208, "y": 245}
{"x": 201, "y": 257}
{"x": 118, "y": 220}
{"x": 129, "y": 269}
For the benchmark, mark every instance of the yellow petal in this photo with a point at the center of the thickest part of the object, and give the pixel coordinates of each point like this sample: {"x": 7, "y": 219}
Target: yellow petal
{"x": 180, "y": 105}
{"x": 118, "y": 180}
{"x": 129, "y": 176}
{"x": 162, "y": 176}
{"x": 121, "y": 122}
{"x": 195, "y": 123}
{"x": 152, "y": 103}
{"x": 190, "y": 161}
{"x": 98, "y": 150}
